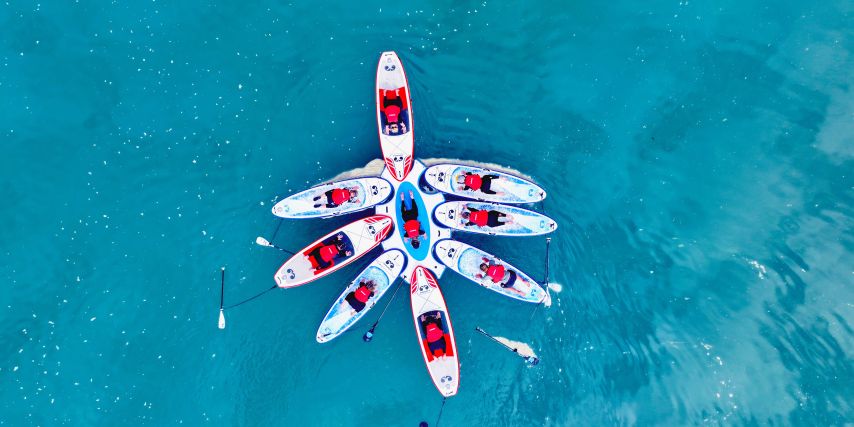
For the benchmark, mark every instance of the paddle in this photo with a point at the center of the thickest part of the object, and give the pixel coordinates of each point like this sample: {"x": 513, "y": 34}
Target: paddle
{"x": 546, "y": 281}
{"x": 221, "y": 323}
{"x": 533, "y": 360}
{"x": 264, "y": 242}
{"x": 370, "y": 334}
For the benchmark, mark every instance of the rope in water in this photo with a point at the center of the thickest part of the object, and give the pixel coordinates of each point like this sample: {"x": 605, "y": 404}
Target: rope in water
{"x": 251, "y": 298}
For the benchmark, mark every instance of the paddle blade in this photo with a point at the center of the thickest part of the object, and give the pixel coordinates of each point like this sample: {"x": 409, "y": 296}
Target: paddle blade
{"x": 221, "y": 319}
{"x": 262, "y": 241}
{"x": 368, "y": 336}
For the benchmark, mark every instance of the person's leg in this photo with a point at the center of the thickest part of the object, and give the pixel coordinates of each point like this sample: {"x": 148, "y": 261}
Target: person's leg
{"x": 510, "y": 280}
{"x": 436, "y": 345}
{"x": 407, "y": 200}
{"x": 352, "y": 301}
{"x": 493, "y": 218}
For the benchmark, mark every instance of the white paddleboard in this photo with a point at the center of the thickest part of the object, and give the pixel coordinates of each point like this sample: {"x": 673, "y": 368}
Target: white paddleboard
{"x": 382, "y": 271}
{"x": 359, "y": 237}
{"x": 394, "y": 116}
{"x": 315, "y": 202}
{"x": 466, "y": 260}
{"x": 503, "y": 220}
{"x": 427, "y": 299}
{"x": 508, "y": 188}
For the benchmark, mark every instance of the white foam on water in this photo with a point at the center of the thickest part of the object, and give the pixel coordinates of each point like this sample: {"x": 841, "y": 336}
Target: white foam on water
{"x": 521, "y": 348}
{"x": 553, "y": 287}
{"x": 548, "y": 301}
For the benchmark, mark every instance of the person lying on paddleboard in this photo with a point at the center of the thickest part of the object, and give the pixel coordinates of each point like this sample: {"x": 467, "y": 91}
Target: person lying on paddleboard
{"x": 393, "y": 113}
{"x": 324, "y": 254}
{"x": 484, "y": 218}
{"x": 432, "y": 325}
{"x": 411, "y": 226}
{"x": 359, "y": 298}
{"x": 492, "y": 269}
{"x": 337, "y": 197}
{"x": 475, "y": 182}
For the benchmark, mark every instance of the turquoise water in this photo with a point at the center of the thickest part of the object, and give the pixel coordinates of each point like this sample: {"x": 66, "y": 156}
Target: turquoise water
{"x": 698, "y": 158}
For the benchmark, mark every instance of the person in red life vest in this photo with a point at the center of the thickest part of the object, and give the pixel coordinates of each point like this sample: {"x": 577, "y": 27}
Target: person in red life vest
{"x": 393, "y": 114}
{"x": 324, "y": 254}
{"x": 411, "y": 225}
{"x": 358, "y": 299}
{"x": 431, "y": 323}
{"x": 484, "y": 218}
{"x": 495, "y": 272}
{"x": 337, "y": 197}
{"x": 474, "y": 182}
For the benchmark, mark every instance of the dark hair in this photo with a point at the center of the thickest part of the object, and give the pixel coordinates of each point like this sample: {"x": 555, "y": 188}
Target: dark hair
{"x": 415, "y": 243}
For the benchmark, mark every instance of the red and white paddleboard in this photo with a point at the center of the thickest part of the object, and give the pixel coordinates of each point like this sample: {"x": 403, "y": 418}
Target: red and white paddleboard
{"x": 333, "y": 251}
{"x": 394, "y": 116}
{"x": 433, "y": 322}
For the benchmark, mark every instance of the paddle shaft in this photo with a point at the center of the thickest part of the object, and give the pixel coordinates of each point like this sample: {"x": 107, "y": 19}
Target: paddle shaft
{"x": 280, "y": 248}
{"x": 477, "y": 328}
{"x": 548, "y": 243}
{"x": 222, "y": 289}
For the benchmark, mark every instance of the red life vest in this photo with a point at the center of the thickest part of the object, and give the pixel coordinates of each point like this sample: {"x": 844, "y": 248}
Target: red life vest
{"x": 496, "y": 272}
{"x": 434, "y": 333}
{"x": 340, "y": 195}
{"x": 412, "y": 228}
{"x": 363, "y": 293}
{"x": 473, "y": 181}
{"x": 392, "y": 112}
{"x": 479, "y": 218}
{"x": 328, "y": 252}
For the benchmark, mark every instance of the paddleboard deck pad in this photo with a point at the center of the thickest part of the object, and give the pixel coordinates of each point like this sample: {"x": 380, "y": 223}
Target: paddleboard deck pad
{"x": 493, "y": 219}
{"x": 492, "y": 186}
{"x": 382, "y": 272}
{"x": 394, "y": 116}
{"x": 466, "y": 260}
{"x": 430, "y": 314}
{"x": 335, "y": 198}
{"x": 330, "y": 253}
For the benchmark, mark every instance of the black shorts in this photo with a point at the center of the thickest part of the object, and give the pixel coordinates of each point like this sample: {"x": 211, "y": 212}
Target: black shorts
{"x": 510, "y": 280}
{"x": 437, "y": 345}
{"x": 492, "y": 218}
{"x": 356, "y": 304}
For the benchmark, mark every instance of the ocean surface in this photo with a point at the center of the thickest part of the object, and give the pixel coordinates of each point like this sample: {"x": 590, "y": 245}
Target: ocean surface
{"x": 699, "y": 159}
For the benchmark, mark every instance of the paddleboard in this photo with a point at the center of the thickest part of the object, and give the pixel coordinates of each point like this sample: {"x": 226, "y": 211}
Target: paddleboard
{"x": 466, "y": 260}
{"x": 358, "y": 237}
{"x": 382, "y": 272}
{"x": 394, "y": 116}
{"x": 501, "y": 220}
{"x": 319, "y": 201}
{"x": 441, "y": 360}
{"x": 449, "y": 178}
